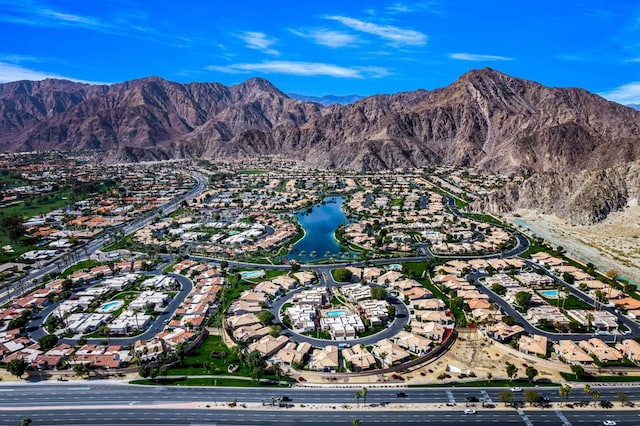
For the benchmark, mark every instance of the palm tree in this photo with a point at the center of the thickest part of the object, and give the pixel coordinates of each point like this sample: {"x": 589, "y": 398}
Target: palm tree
{"x": 587, "y": 389}
{"x": 564, "y": 392}
{"x": 355, "y": 422}
{"x": 364, "y": 395}
{"x": 595, "y": 395}
{"x": 589, "y": 319}
{"x": 357, "y": 396}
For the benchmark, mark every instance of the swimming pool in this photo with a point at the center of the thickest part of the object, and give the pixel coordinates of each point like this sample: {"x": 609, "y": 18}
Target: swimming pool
{"x": 395, "y": 267}
{"x": 252, "y": 274}
{"x": 114, "y": 305}
{"x": 550, "y": 294}
{"x": 332, "y": 314}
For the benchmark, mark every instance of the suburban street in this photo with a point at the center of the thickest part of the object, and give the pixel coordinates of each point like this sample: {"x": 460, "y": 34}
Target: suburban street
{"x": 326, "y": 279}
{"x": 84, "y": 252}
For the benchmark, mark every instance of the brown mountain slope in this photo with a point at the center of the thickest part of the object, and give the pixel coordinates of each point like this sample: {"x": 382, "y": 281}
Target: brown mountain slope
{"x": 56, "y": 114}
{"x": 484, "y": 118}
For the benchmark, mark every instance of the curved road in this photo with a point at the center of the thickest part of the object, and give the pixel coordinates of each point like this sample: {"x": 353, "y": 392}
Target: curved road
{"x": 36, "y": 329}
{"x": 326, "y": 280}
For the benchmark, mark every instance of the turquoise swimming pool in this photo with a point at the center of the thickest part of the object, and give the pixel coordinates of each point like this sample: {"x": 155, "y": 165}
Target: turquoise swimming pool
{"x": 251, "y": 274}
{"x": 550, "y": 294}
{"x": 110, "y": 306}
{"x": 332, "y": 314}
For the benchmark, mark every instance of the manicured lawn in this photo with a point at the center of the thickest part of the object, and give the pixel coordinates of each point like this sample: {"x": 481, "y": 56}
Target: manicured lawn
{"x": 40, "y": 204}
{"x": 600, "y": 379}
{"x": 200, "y": 361}
{"x": 206, "y": 382}
{"x": 252, "y": 172}
{"x": 318, "y": 334}
{"x": 372, "y": 330}
{"x": 572, "y": 302}
{"x": 79, "y": 266}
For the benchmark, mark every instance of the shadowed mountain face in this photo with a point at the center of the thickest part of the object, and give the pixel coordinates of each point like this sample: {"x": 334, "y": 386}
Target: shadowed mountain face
{"x": 485, "y": 118}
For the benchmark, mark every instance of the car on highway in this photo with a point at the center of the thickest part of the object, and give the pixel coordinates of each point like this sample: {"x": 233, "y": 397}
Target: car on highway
{"x": 286, "y": 398}
{"x": 472, "y": 399}
{"x": 516, "y": 389}
{"x": 401, "y": 395}
{"x": 469, "y": 411}
{"x": 609, "y": 423}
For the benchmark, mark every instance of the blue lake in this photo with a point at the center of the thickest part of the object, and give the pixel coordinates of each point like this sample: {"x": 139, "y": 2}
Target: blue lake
{"x": 320, "y": 225}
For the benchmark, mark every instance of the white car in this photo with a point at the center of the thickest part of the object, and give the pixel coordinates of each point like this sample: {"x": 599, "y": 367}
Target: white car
{"x": 516, "y": 389}
{"x": 609, "y": 423}
{"x": 469, "y": 411}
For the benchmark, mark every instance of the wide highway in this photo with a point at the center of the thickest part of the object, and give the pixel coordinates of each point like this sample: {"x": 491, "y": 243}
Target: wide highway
{"x": 113, "y": 403}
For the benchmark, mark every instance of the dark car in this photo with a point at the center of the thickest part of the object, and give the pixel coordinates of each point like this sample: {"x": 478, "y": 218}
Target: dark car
{"x": 286, "y": 399}
{"x": 472, "y": 399}
{"x": 401, "y": 395}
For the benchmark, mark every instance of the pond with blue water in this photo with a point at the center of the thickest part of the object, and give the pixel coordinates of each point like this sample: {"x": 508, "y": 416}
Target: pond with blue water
{"x": 320, "y": 224}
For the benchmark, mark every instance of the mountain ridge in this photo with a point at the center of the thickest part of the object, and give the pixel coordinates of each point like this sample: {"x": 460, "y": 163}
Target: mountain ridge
{"x": 485, "y": 118}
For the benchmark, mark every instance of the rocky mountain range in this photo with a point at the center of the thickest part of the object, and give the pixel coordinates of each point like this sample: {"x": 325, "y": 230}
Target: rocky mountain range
{"x": 485, "y": 118}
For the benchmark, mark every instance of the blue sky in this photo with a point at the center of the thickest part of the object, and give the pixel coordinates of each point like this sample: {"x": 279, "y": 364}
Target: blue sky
{"x": 326, "y": 47}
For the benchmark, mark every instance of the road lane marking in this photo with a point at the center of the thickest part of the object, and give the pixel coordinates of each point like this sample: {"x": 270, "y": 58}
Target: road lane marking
{"x": 452, "y": 400}
{"x": 561, "y": 416}
{"x": 525, "y": 418}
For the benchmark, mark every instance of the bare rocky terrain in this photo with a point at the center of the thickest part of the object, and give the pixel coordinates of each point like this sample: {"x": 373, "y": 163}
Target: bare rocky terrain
{"x": 579, "y": 147}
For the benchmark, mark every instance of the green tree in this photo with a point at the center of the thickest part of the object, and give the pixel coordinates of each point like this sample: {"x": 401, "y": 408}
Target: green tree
{"x": 81, "y": 369}
{"x": 378, "y": 293}
{"x": 355, "y": 422}
{"x": 12, "y": 226}
{"x": 531, "y": 396}
{"x": 17, "y": 367}
{"x": 342, "y": 275}
{"x": 587, "y": 390}
{"x": 512, "y": 371}
{"x": 623, "y": 398}
{"x": 357, "y": 396}
{"x": 498, "y": 289}
{"x": 578, "y": 370}
{"x": 505, "y": 396}
{"x": 265, "y": 317}
{"x": 364, "y": 395}
{"x": 531, "y": 372}
{"x": 144, "y": 370}
{"x": 595, "y": 395}
{"x": 523, "y": 299}
{"x": 568, "y": 278}
{"x": 275, "y": 330}
{"x": 26, "y": 421}
{"x": 564, "y": 392}
{"x": 47, "y": 342}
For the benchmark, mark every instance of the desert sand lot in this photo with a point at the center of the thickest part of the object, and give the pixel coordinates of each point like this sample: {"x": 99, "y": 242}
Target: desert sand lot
{"x": 611, "y": 244}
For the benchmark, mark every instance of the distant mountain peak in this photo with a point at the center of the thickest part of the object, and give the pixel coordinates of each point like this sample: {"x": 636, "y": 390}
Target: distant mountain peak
{"x": 327, "y": 100}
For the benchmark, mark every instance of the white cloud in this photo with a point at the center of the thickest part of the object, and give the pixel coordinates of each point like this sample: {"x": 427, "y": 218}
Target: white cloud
{"x": 388, "y": 32}
{"x": 34, "y": 13}
{"x": 259, "y": 41}
{"x": 10, "y": 72}
{"x": 303, "y": 68}
{"x": 328, "y": 38}
{"x": 399, "y": 7}
{"x": 478, "y": 58}
{"x": 626, "y": 94}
